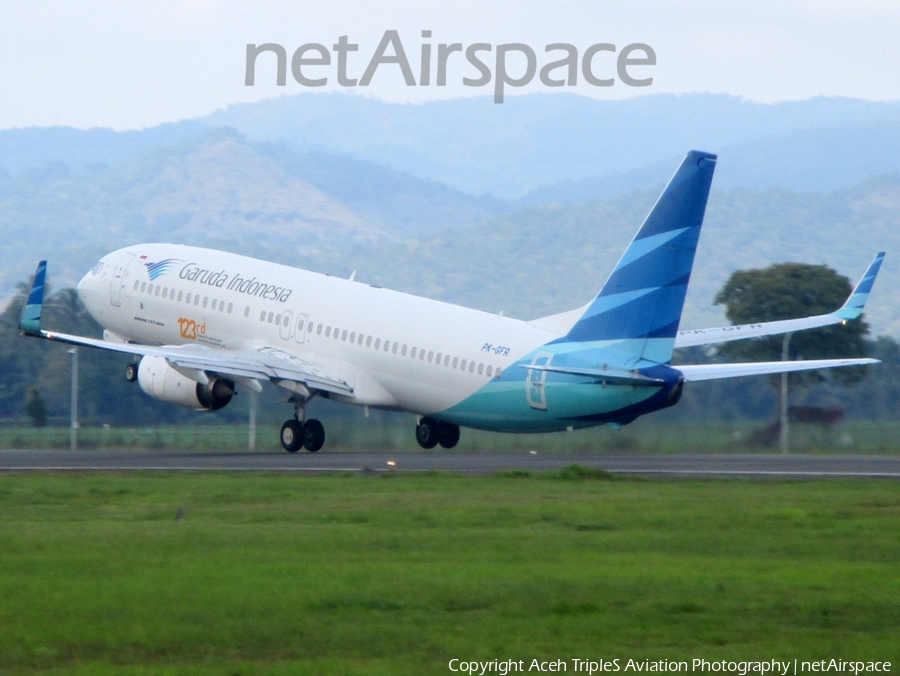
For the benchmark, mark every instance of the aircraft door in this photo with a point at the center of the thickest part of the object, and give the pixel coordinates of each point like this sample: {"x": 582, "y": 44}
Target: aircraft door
{"x": 118, "y": 280}
{"x": 300, "y": 333}
{"x": 287, "y": 323}
{"x": 535, "y": 392}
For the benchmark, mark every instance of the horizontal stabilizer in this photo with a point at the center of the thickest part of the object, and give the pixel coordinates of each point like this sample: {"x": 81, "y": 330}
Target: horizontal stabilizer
{"x": 850, "y": 310}
{"x": 618, "y": 376}
{"x": 695, "y": 372}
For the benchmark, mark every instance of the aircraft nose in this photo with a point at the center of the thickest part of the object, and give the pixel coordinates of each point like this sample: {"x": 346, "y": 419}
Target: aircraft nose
{"x": 82, "y": 286}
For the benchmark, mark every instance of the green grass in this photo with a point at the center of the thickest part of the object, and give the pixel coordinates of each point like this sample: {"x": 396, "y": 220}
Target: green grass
{"x": 396, "y": 435}
{"x": 398, "y": 574}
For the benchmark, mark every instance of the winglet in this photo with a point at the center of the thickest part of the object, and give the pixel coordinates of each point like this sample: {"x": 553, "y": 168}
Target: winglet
{"x": 30, "y": 322}
{"x": 854, "y": 306}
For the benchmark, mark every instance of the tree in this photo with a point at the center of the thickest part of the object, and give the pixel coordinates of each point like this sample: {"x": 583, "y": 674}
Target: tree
{"x": 787, "y": 291}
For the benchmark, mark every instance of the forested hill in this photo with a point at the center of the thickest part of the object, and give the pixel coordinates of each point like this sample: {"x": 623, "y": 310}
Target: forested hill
{"x": 337, "y": 183}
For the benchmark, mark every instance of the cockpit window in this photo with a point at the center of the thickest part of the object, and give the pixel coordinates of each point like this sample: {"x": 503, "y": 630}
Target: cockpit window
{"x": 97, "y": 268}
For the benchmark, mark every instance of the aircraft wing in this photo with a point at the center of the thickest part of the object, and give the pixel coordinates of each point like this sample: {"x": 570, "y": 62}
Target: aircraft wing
{"x": 851, "y": 309}
{"x": 696, "y": 372}
{"x": 265, "y": 363}
{"x": 195, "y": 361}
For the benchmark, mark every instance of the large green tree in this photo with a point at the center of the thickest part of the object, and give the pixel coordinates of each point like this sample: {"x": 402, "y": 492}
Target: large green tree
{"x": 787, "y": 291}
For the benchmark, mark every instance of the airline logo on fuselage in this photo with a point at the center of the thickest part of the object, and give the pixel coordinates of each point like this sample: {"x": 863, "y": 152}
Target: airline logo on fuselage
{"x": 192, "y": 272}
{"x": 249, "y": 286}
{"x": 157, "y": 270}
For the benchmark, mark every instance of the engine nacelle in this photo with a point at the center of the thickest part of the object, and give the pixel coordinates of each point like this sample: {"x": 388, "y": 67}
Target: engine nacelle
{"x": 162, "y": 382}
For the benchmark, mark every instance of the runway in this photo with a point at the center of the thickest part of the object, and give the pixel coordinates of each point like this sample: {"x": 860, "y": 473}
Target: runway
{"x": 789, "y": 466}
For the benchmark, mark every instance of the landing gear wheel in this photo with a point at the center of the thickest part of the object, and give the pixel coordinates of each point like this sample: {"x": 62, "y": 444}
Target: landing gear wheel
{"x": 448, "y": 434}
{"x": 131, "y": 372}
{"x": 427, "y": 433}
{"x": 313, "y": 435}
{"x": 292, "y": 434}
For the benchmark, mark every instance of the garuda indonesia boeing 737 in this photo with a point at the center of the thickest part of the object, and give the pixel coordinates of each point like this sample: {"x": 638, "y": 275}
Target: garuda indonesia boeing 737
{"x": 204, "y": 323}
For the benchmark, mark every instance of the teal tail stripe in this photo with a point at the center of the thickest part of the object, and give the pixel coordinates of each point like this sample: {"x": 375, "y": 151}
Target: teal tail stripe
{"x": 644, "y": 296}
{"x": 31, "y": 313}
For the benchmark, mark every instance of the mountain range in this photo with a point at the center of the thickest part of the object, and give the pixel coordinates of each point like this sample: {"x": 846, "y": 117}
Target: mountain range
{"x": 521, "y": 208}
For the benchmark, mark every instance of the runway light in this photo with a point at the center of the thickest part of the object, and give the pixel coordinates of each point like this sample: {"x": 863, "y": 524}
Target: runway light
{"x": 533, "y": 452}
{"x": 391, "y": 463}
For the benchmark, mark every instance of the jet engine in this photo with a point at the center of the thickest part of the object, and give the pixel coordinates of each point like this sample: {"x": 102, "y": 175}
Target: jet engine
{"x": 161, "y": 381}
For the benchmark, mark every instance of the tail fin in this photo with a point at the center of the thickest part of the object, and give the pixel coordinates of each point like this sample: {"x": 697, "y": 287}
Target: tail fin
{"x": 30, "y": 322}
{"x": 644, "y": 296}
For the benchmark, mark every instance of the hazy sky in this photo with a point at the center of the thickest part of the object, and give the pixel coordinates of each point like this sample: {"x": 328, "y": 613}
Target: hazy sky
{"x": 135, "y": 64}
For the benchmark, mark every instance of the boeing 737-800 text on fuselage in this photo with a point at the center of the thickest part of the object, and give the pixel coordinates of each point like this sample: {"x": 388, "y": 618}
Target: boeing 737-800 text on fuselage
{"x": 204, "y": 323}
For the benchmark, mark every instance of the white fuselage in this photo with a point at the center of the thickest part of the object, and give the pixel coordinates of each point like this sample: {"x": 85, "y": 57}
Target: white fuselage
{"x": 395, "y": 350}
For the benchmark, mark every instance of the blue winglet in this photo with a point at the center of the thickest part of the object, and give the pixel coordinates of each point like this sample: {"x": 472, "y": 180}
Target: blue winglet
{"x": 854, "y": 306}
{"x": 30, "y": 322}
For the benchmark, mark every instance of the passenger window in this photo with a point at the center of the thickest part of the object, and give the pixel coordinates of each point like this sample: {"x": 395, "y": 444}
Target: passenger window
{"x": 197, "y": 299}
{"x": 180, "y": 296}
{"x": 471, "y": 367}
{"x": 369, "y": 342}
{"x": 300, "y": 325}
{"x": 413, "y": 353}
{"x": 206, "y": 302}
{"x": 455, "y": 362}
{"x": 187, "y": 298}
{"x": 360, "y": 339}
{"x": 403, "y": 351}
{"x": 489, "y": 369}
{"x": 143, "y": 287}
{"x": 262, "y": 316}
{"x": 278, "y": 318}
{"x": 286, "y": 320}
{"x": 156, "y": 291}
{"x": 230, "y": 307}
{"x": 353, "y": 337}
{"x": 421, "y": 355}
{"x": 247, "y": 311}
{"x": 319, "y": 330}
{"x": 328, "y": 332}
{"x": 394, "y": 349}
{"x": 431, "y": 355}
{"x": 165, "y": 292}
{"x": 446, "y": 360}
{"x": 271, "y": 317}
{"x": 136, "y": 284}
{"x": 378, "y": 343}
{"x": 497, "y": 372}
{"x": 344, "y": 335}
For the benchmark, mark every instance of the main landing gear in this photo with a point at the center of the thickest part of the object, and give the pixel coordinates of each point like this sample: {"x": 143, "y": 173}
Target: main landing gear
{"x": 430, "y": 433}
{"x": 296, "y": 435}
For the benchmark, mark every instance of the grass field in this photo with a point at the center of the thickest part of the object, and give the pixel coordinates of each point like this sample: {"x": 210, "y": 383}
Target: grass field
{"x": 398, "y": 574}
{"x": 396, "y": 435}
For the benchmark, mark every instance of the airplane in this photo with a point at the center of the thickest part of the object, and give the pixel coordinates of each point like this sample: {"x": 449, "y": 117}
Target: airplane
{"x": 202, "y": 323}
